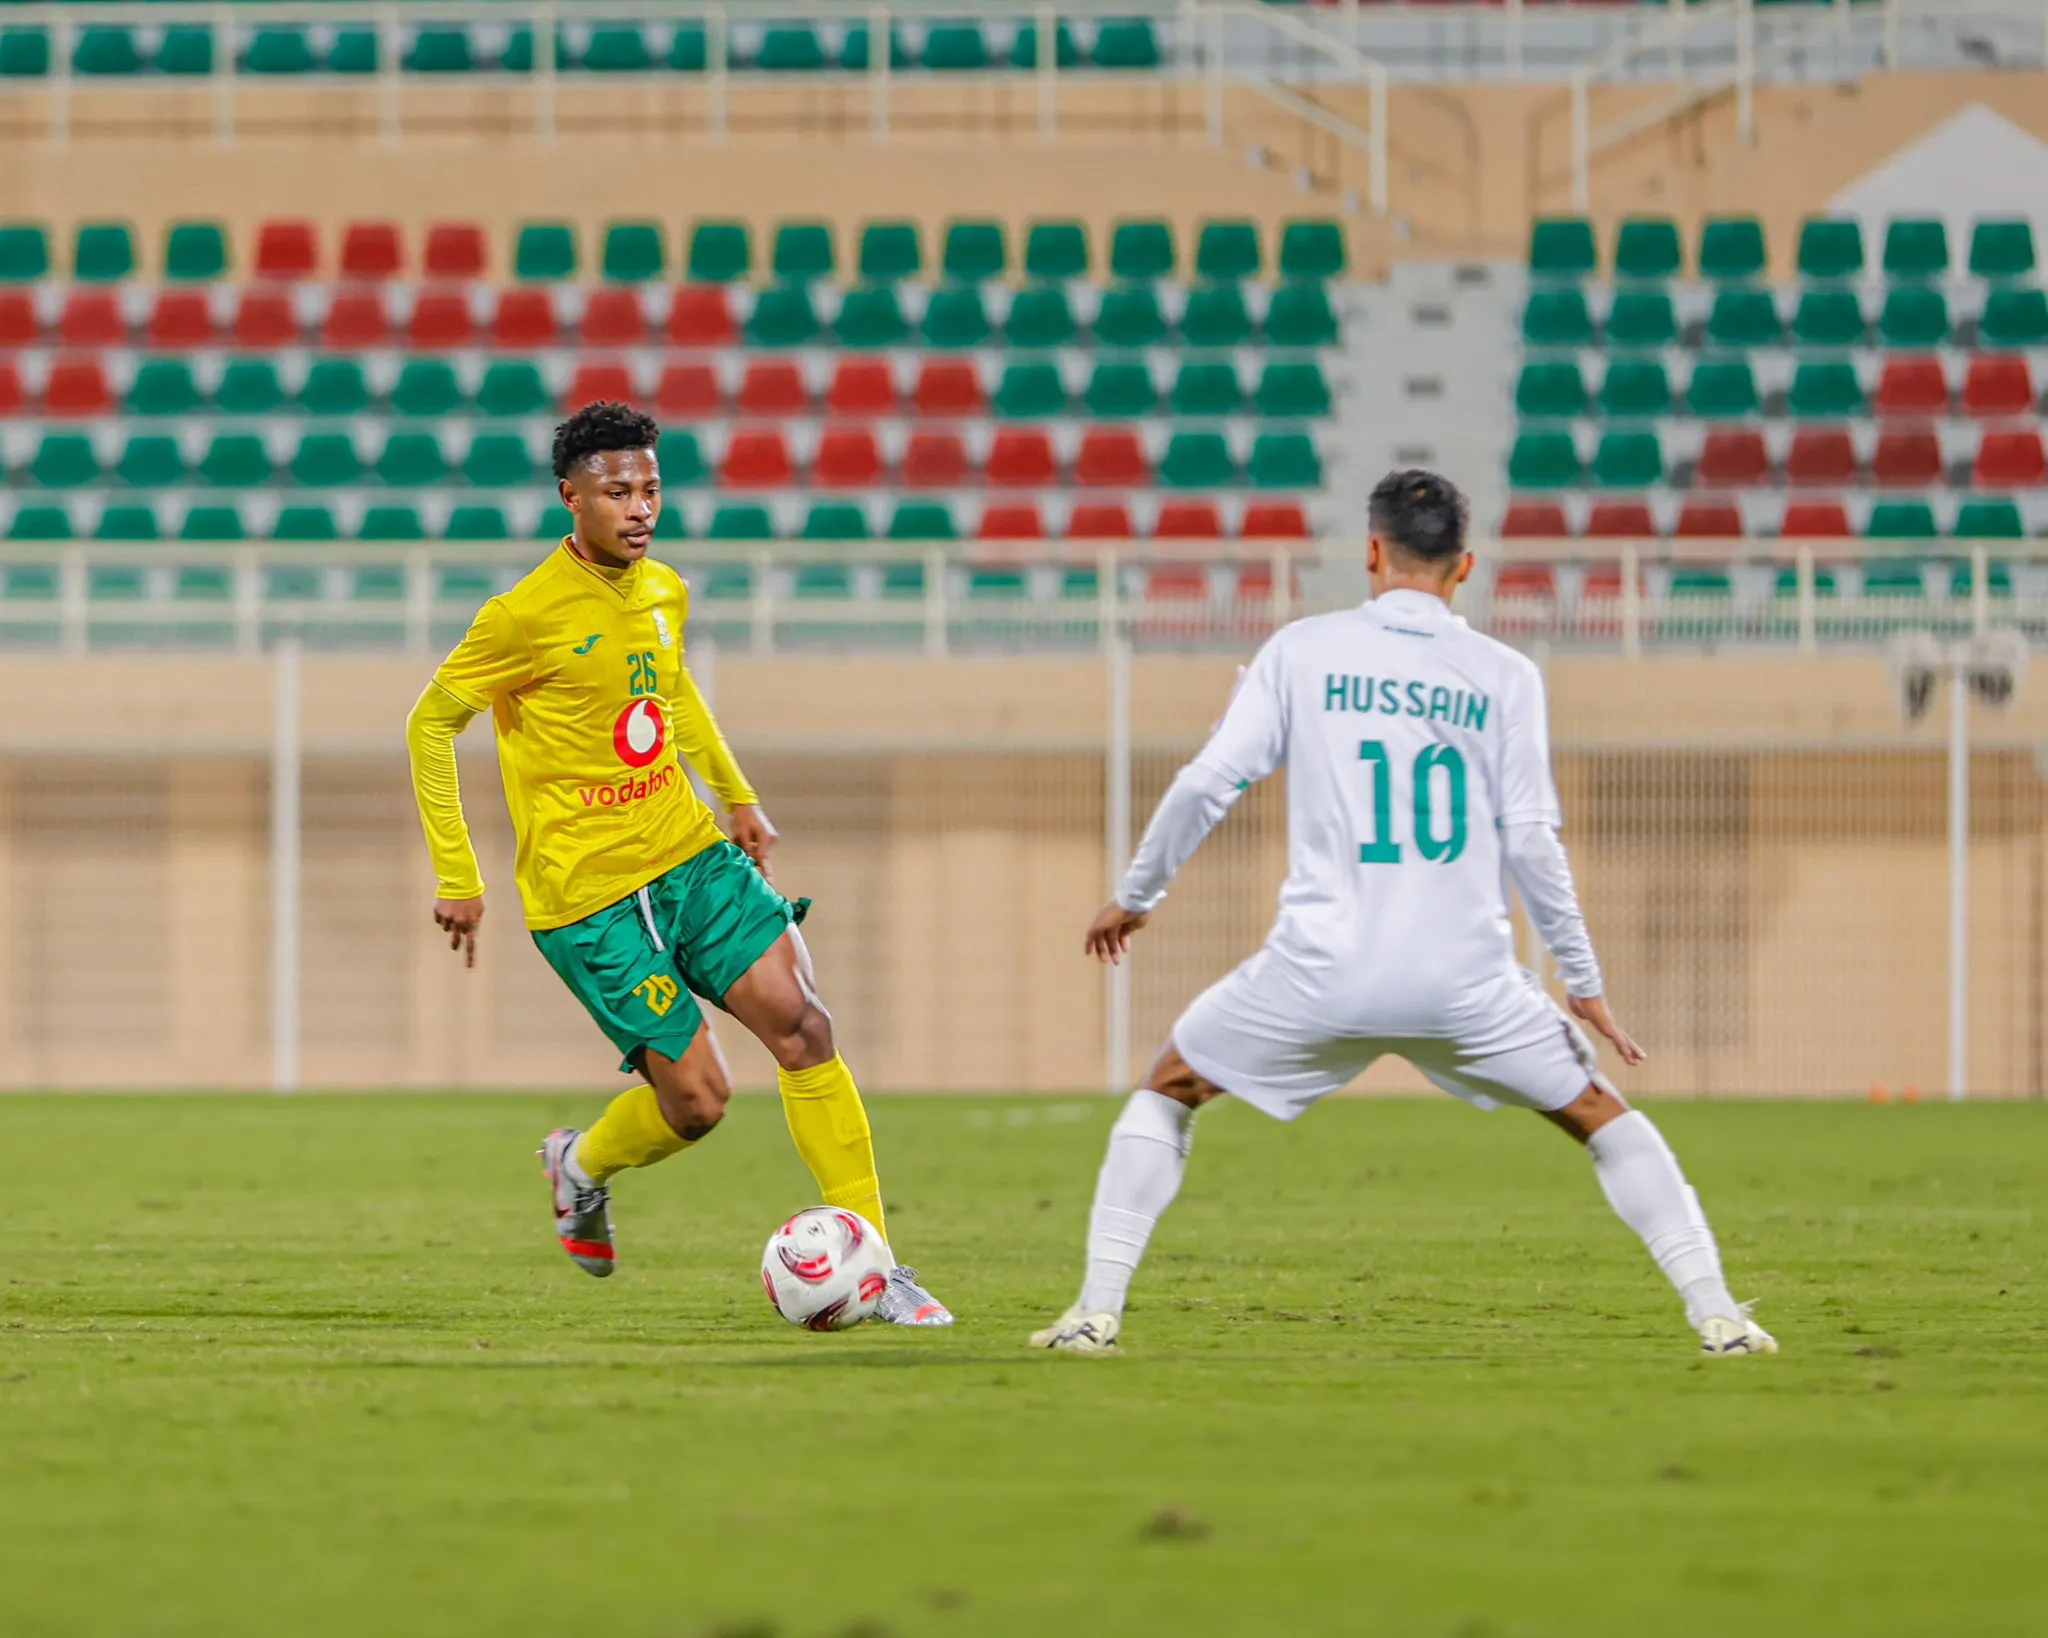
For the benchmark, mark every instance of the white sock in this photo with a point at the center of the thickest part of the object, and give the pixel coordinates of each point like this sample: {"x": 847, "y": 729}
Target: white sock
{"x": 1640, "y": 1176}
{"x": 1141, "y": 1173}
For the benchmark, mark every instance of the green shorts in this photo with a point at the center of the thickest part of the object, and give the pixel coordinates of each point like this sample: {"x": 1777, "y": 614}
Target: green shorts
{"x": 638, "y": 965}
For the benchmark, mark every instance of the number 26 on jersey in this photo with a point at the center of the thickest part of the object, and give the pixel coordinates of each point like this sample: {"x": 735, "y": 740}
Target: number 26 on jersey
{"x": 1439, "y": 785}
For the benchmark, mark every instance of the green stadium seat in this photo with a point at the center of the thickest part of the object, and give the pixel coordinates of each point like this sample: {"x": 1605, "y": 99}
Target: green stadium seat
{"x": 854, "y": 50}
{"x": 1992, "y": 519}
{"x": 235, "y": 460}
{"x": 64, "y": 460}
{"x": 1543, "y": 460}
{"x": 720, "y": 253}
{"x": 922, "y": 520}
{"x": 1197, "y": 460}
{"x": 1628, "y": 460}
{"x": 634, "y": 253}
{"x": 1312, "y": 249}
{"x": 1284, "y": 460}
{"x": 1830, "y": 249}
{"x": 1141, "y": 249}
{"x": 195, "y": 252}
{"x": 1216, "y": 316}
{"x": 830, "y": 520}
{"x": 1209, "y": 389}
{"x": 1915, "y": 316}
{"x": 975, "y": 251}
{"x": 614, "y": 49}
{"x": 1121, "y": 391}
{"x": 303, "y": 522}
{"x": 1691, "y": 582}
{"x": 151, "y": 461}
{"x": 726, "y": 581}
{"x": 102, "y": 253}
{"x": 955, "y": 48}
{"x": 40, "y": 522}
{"x": 1826, "y": 391}
{"x": 1551, "y": 392}
{"x": 1024, "y": 48}
{"x": 1561, "y": 247}
{"x": 1228, "y": 250}
{"x": 871, "y": 317}
{"x": 279, "y": 51}
{"x": 105, "y": 51}
{"x": 553, "y": 523}
{"x": 1997, "y": 577}
{"x": 1029, "y": 392}
{"x": 334, "y": 386}
{"x": 1896, "y": 576}
{"x": 955, "y": 318}
{"x": 1915, "y": 248}
{"x": 1646, "y": 247}
{"x": 185, "y": 50}
{"x": 498, "y": 460}
{"x": 782, "y": 317}
{"x": 1292, "y": 390}
{"x": 127, "y": 522}
{"x": 788, "y": 49}
{"x": 1127, "y": 45}
{"x": 1829, "y": 318}
{"x": 116, "y": 582}
{"x": 1301, "y": 316}
{"x": 1745, "y": 318}
{"x": 2002, "y": 248}
{"x": 163, "y": 386}
{"x": 513, "y": 386}
{"x": 354, "y": 51}
{"x": 2014, "y": 316}
{"x": 689, "y": 49}
{"x": 1731, "y": 249}
{"x": 890, "y": 250}
{"x": 1130, "y": 316}
{"x": 997, "y": 585}
{"x": 1722, "y": 389}
{"x": 24, "y": 253}
{"x": 804, "y": 250}
{"x": 391, "y": 523}
{"x": 427, "y": 386}
{"x": 1056, "y": 251}
{"x": 1040, "y": 317}
{"x": 411, "y": 460}
{"x": 24, "y": 53}
{"x": 544, "y": 253}
{"x": 439, "y": 51}
{"x": 248, "y": 386}
{"x": 1635, "y": 388}
{"x": 212, "y": 523}
{"x": 1898, "y": 520}
{"x": 1642, "y": 318}
{"x": 326, "y": 460}
{"x": 476, "y": 522}
{"x": 682, "y": 460}
{"x": 1557, "y": 318}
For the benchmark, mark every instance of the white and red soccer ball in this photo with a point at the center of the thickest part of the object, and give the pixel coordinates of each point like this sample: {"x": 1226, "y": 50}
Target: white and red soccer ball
{"x": 826, "y": 1269}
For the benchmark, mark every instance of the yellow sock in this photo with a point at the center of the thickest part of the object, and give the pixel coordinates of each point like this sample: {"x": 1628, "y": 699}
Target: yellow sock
{"x": 632, "y": 1132}
{"x": 830, "y": 1128}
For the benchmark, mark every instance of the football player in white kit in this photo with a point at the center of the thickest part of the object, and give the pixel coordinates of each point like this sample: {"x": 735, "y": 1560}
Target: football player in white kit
{"x": 1418, "y": 780}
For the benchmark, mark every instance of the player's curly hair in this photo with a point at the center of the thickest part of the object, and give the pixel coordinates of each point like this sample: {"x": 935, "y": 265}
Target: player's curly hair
{"x": 598, "y": 427}
{"x": 1420, "y": 515}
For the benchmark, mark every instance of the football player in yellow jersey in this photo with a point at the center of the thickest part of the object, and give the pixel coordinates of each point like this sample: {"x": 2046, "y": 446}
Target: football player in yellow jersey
{"x": 631, "y": 892}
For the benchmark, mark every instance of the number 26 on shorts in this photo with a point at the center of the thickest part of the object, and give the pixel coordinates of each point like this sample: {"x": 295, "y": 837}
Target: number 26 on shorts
{"x": 1439, "y": 784}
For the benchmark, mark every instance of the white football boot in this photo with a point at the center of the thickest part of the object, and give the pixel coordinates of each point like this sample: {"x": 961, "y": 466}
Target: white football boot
{"x": 1736, "y": 1335}
{"x": 906, "y": 1302}
{"x": 583, "y": 1216}
{"x": 1077, "y": 1333}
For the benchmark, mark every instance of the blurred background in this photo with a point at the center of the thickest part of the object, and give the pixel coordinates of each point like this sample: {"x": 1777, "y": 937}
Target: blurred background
{"x": 1021, "y": 367}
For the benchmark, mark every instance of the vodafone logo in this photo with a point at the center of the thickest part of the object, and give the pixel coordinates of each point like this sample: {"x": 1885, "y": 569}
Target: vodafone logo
{"x": 641, "y": 733}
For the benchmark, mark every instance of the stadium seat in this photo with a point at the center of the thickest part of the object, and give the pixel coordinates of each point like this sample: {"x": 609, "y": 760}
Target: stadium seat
{"x": 2010, "y": 459}
{"x": 782, "y": 317}
{"x": 249, "y": 386}
{"x": 870, "y": 318}
{"x": 180, "y": 319}
{"x": 922, "y": 520}
{"x": 334, "y": 386}
{"x": 40, "y": 522}
{"x": 195, "y": 252}
{"x": 303, "y": 522}
{"x": 1287, "y": 390}
{"x": 1562, "y": 248}
{"x": 411, "y": 460}
{"x": 1284, "y": 460}
{"x": 1722, "y": 389}
{"x": 1187, "y": 520}
{"x": 211, "y": 523}
{"x": 889, "y": 251}
{"x": 524, "y": 318}
{"x": 787, "y": 49}
{"x": 1821, "y": 456}
{"x": 1915, "y": 248}
{"x": 756, "y": 458}
{"x": 1011, "y": 521}
{"x": 948, "y": 387}
{"x": 356, "y": 318}
{"x": 1112, "y": 457}
{"x": 773, "y": 388}
{"x": 102, "y": 253}
{"x": 1199, "y": 460}
{"x": 24, "y": 253}
{"x": 1642, "y": 318}
{"x": 150, "y": 461}
{"x": 287, "y": 250}
{"x": 1130, "y": 316}
{"x": 163, "y": 386}
{"x": 1024, "y": 48}
{"x": 101, "y": 50}
{"x": 2014, "y": 317}
{"x": 862, "y": 386}
{"x": 427, "y": 386}
{"x": 512, "y": 386}
{"x": 1830, "y": 249}
{"x": 235, "y": 460}
{"x": 1829, "y": 318}
{"x": 1647, "y": 248}
{"x": 279, "y": 51}
{"x": 64, "y": 460}
{"x": 853, "y": 52}
{"x": 1745, "y": 318}
{"x": 439, "y": 51}
{"x": 19, "y": 326}
{"x": 440, "y": 318}
{"x": 1142, "y": 250}
{"x": 1709, "y": 520}
{"x": 123, "y": 521}
{"x": 1120, "y": 390}
{"x": 847, "y": 458}
{"x": 1897, "y": 520}
{"x": 1557, "y": 318}
{"x": 1993, "y": 519}
{"x": 1229, "y": 250}
{"x": 1056, "y": 251}
{"x": 934, "y": 460}
{"x": 1551, "y": 391}
{"x": 1216, "y": 316}
{"x": 954, "y": 48}
{"x": 1620, "y": 520}
{"x": 326, "y": 460}
{"x": 1628, "y": 460}
{"x": 1128, "y": 45}
{"x": 1998, "y": 384}
{"x": 599, "y": 383}
{"x": 1021, "y": 458}
{"x": 613, "y": 317}
{"x": 743, "y": 521}
{"x": 720, "y": 253}
{"x": 77, "y": 386}
{"x": 682, "y": 460}
{"x": 1273, "y": 520}
{"x": 830, "y": 520}
{"x": 1912, "y": 386}
{"x": 1543, "y": 460}
{"x": 701, "y": 316}
{"x": 1906, "y": 458}
{"x": 91, "y": 318}
{"x": 2001, "y": 248}
{"x": 1732, "y": 458}
{"x": 955, "y": 318}
{"x": 1825, "y": 391}
{"x": 1300, "y": 316}
{"x": 634, "y": 253}
{"x": 1731, "y": 249}
{"x": 1635, "y": 388}
{"x": 1040, "y": 318}
{"x": 1099, "y": 520}
{"x": 1533, "y": 520}
{"x": 1212, "y": 388}
{"x": 975, "y": 252}
{"x": 804, "y": 251}
{"x": 1914, "y": 316}
{"x": 354, "y": 51}
{"x": 371, "y": 251}
{"x": 24, "y": 54}
{"x": 453, "y": 250}
{"x": 473, "y": 521}
{"x": 265, "y": 320}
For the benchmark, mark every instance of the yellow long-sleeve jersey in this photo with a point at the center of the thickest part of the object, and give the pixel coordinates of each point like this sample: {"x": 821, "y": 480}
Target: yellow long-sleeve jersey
{"x": 582, "y": 670}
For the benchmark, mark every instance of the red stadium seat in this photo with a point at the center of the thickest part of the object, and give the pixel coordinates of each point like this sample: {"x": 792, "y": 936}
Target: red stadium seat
{"x": 613, "y": 318}
{"x": 1821, "y": 455}
{"x": 1907, "y": 458}
{"x": 77, "y": 386}
{"x": 1912, "y": 386}
{"x": 757, "y": 458}
{"x": 773, "y": 387}
{"x": 1187, "y": 520}
{"x": 1530, "y": 580}
{"x": 1534, "y": 520}
{"x": 356, "y": 319}
{"x": 18, "y": 326}
{"x": 1733, "y": 458}
{"x": 1620, "y": 520}
{"x": 934, "y": 460}
{"x": 1710, "y": 520}
{"x": 455, "y": 250}
{"x": 1814, "y": 520}
{"x": 689, "y": 392}
{"x": 2010, "y": 460}
{"x": 949, "y": 387}
{"x": 1099, "y": 520}
{"x": 701, "y": 316}
{"x": 1602, "y": 582}
{"x": 1021, "y": 458}
{"x": 599, "y": 383}
{"x": 91, "y": 318}
{"x": 1274, "y": 520}
{"x": 1010, "y": 522}
{"x": 1111, "y": 458}
{"x": 862, "y": 386}
{"x": 525, "y": 318}
{"x": 1177, "y": 582}
{"x": 370, "y": 250}
{"x": 181, "y": 318}
{"x": 440, "y": 318}
{"x": 1998, "y": 384}
{"x": 12, "y": 398}
{"x": 847, "y": 459}
{"x": 286, "y": 250}
{"x": 265, "y": 319}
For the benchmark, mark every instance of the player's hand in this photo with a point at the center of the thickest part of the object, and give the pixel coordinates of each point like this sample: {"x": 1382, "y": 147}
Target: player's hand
{"x": 754, "y": 835}
{"x": 458, "y": 918}
{"x": 1109, "y": 934}
{"x": 1592, "y": 1009}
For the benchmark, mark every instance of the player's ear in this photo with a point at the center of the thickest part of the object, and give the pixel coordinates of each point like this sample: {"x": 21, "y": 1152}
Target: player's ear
{"x": 1463, "y": 572}
{"x": 1375, "y": 554}
{"x": 567, "y": 491}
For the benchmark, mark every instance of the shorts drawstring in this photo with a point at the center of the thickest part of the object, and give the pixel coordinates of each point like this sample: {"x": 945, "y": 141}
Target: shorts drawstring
{"x": 647, "y": 915}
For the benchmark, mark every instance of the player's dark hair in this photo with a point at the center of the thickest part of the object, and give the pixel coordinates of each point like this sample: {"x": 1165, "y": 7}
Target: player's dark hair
{"x": 1420, "y": 515}
{"x": 599, "y": 427}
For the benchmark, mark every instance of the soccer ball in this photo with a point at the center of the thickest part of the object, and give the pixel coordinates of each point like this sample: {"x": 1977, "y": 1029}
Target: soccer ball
{"x": 826, "y": 1269}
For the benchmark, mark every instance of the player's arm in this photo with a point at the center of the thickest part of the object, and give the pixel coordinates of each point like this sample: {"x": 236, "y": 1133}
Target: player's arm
{"x": 1246, "y": 746}
{"x": 700, "y": 742}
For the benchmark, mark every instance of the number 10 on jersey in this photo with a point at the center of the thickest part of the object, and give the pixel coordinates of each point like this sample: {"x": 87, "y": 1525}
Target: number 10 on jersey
{"x": 1439, "y": 783}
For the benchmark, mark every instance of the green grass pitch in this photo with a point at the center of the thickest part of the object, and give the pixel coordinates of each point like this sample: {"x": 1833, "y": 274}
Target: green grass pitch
{"x": 314, "y": 1366}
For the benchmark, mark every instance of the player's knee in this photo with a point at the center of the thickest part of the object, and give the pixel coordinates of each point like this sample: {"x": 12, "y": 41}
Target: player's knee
{"x": 805, "y": 1039}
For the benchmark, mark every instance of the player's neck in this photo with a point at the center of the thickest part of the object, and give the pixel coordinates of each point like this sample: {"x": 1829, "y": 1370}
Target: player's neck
{"x": 1427, "y": 585}
{"x": 604, "y": 563}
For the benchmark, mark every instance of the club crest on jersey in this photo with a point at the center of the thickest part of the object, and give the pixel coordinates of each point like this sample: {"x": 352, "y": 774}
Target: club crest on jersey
{"x": 661, "y": 630}
{"x": 640, "y": 734}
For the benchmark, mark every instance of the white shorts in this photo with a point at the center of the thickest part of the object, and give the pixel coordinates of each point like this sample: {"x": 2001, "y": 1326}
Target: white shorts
{"x": 1253, "y": 1034}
